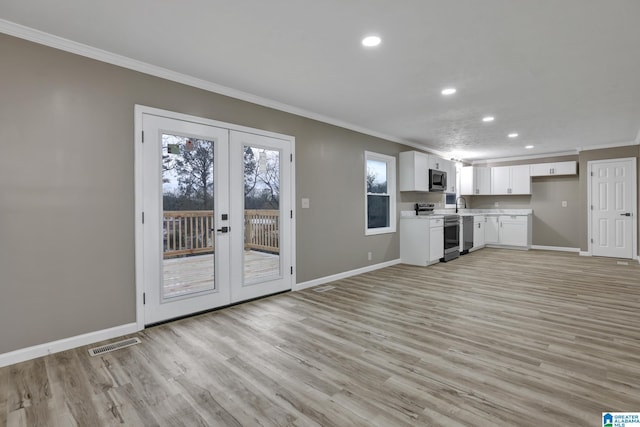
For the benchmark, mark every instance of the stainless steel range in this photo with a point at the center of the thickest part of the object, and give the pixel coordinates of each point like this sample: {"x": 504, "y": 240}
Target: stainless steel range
{"x": 451, "y": 237}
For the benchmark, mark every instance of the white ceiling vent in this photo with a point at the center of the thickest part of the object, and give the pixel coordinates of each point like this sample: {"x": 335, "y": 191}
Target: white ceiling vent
{"x": 114, "y": 346}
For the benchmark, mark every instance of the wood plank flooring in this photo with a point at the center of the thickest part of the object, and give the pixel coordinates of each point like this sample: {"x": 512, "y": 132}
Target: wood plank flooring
{"x": 495, "y": 338}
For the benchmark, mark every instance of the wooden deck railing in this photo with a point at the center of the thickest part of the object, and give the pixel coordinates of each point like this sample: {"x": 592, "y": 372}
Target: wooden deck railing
{"x": 189, "y": 232}
{"x": 261, "y": 230}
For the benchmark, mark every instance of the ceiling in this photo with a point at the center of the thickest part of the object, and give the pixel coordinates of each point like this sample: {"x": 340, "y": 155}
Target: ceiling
{"x": 563, "y": 74}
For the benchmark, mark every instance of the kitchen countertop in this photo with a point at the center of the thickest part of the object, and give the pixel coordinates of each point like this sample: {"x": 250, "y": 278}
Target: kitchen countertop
{"x": 414, "y": 216}
{"x": 470, "y": 212}
{"x": 440, "y": 213}
{"x": 495, "y": 211}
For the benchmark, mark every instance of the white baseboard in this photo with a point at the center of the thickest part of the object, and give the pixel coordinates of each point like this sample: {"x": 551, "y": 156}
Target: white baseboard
{"x": 29, "y": 353}
{"x": 554, "y": 248}
{"x": 517, "y": 248}
{"x": 585, "y": 253}
{"x": 344, "y": 275}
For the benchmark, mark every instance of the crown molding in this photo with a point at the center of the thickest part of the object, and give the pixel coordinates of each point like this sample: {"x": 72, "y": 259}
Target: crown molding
{"x": 56, "y": 42}
{"x": 612, "y": 145}
{"x": 533, "y": 156}
{"x": 46, "y": 39}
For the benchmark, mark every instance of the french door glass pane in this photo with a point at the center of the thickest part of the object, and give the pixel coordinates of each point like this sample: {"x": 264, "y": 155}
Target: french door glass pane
{"x": 188, "y": 205}
{"x": 261, "y": 214}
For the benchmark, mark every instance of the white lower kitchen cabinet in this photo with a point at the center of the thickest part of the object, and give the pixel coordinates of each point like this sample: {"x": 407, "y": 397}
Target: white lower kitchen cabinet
{"x": 421, "y": 240}
{"x": 479, "y": 222}
{"x": 436, "y": 240}
{"x": 492, "y": 230}
{"x": 514, "y": 230}
{"x": 508, "y": 230}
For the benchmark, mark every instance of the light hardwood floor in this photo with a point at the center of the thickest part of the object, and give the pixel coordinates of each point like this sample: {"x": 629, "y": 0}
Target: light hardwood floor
{"x": 495, "y": 338}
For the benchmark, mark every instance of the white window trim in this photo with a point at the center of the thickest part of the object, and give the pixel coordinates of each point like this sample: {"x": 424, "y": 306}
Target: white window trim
{"x": 391, "y": 191}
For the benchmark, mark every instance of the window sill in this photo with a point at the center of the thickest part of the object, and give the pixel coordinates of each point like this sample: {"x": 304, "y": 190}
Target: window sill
{"x": 376, "y": 231}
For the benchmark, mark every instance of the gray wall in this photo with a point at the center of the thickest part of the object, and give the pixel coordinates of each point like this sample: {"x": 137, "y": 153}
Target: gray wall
{"x": 552, "y": 225}
{"x": 67, "y": 189}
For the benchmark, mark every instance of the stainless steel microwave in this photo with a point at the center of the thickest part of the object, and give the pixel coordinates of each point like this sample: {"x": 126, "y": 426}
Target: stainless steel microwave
{"x": 437, "y": 180}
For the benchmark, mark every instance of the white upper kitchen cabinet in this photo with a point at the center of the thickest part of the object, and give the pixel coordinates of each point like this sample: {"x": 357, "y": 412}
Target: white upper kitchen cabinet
{"x": 511, "y": 180}
{"x": 414, "y": 171}
{"x": 475, "y": 180}
{"x": 438, "y": 163}
{"x": 452, "y": 177}
{"x": 558, "y": 168}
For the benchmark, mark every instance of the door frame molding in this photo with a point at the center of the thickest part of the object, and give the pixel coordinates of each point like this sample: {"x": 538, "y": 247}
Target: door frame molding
{"x": 634, "y": 203}
{"x": 139, "y": 111}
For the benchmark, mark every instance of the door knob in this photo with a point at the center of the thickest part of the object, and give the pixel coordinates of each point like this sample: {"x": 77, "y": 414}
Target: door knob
{"x": 626, "y": 214}
{"x": 224, "y": 229}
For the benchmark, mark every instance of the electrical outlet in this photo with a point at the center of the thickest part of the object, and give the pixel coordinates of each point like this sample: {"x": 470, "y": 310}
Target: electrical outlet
{"x": 369, "y": 256}
{"x": 564, "y": 203}
{"x": 496, "y": 204}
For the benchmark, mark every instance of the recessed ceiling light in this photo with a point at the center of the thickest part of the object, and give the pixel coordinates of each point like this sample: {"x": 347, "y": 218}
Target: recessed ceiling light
{"x": 488, "y": 119}
{"x": 371, "y": 41}
{"x": 513, "y": 135}
{"x": 529, "y": 147}
{"x": 449, "y": 91}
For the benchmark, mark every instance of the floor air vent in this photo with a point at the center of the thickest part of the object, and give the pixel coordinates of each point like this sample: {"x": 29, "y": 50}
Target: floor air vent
{"x": 114, "y": 346}
{"x": 323, "y": 288}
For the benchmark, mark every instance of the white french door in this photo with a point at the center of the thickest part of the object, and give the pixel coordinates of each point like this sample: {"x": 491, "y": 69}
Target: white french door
{"x": 612, "y": 208}
{"x": 216, "y": 209}
{"x": 261, "y": 209}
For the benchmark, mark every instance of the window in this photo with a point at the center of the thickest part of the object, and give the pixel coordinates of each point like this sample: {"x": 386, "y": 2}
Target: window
{"x": 380, "y": 188}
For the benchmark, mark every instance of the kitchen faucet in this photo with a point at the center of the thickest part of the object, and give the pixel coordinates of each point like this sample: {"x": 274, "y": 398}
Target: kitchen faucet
{"x": 465, "y": 203}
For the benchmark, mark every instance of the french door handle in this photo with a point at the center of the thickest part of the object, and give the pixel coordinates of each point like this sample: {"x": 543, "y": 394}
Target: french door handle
{"x": 223, "y": 229}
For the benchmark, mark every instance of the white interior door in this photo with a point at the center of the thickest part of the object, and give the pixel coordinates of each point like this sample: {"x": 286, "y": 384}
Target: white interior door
{"x": 613, "y": 208}
{"x": 217, "y": 211}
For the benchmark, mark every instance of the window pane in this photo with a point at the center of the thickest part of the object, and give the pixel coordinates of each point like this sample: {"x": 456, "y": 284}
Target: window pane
{"x": 377, "y": 211}
{"x": 376, "y": 176}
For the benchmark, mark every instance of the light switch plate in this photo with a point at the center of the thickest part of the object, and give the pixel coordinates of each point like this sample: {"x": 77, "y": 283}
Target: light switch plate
{"x": 564, "y": 203}
{"x": 305, "y": 203}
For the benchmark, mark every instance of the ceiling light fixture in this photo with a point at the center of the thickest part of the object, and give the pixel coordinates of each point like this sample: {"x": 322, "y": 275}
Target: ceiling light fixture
{"x": 529, "y": 147}
{"x": 513, "y": 135}
{"x": 449, "y": 91}
{"x": 371, "y": 41}
{"x": 488, "y": 119}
